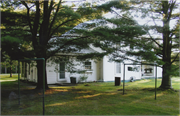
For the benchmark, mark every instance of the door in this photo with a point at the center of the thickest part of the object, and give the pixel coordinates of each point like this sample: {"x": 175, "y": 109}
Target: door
{"x": 62, "y": 70}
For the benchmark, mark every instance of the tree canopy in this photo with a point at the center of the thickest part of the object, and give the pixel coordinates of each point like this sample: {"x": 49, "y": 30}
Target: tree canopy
{"x": 42, "y": 23}
{"x": 128, "y": 40}
{"x": 165, "y": 46}
{"x": 38, "y": 28}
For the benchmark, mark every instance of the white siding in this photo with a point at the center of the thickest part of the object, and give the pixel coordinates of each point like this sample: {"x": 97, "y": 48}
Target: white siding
{"x": 108, "y": 70}
{"x": 51, "y": 73}
{"x": 101, "y": 70}
{"x": 159, "y": 72}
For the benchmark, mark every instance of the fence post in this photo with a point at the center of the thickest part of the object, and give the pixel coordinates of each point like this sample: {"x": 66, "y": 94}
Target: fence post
{"x": 156, "y": 82}
{"x": 124, "y": 79}
{"x": 19, "y": 81}
{"x": 43, "y": 85}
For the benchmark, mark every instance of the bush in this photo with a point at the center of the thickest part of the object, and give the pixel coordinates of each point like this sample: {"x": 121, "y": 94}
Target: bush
{"x": 83, "y": 78}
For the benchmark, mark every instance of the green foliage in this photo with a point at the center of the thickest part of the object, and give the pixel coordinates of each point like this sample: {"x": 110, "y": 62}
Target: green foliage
{"x": 83, "y": 78}
{"x": 9, "y": 64}
{"x": 115, "y": 38}
{"x": 9, "y": 5}
{"x": 85, "y": 9}
{"x": 165, "y": 47}
{"x": 41, "y": 26}
{"x": 15, "y": 38}
{"x": 12, "y": 41}
{"x": 123, "y": 5}
{"x": 91, "y": 56}
{"x": 13, "y": 47}
{"x": 125, "y": 39}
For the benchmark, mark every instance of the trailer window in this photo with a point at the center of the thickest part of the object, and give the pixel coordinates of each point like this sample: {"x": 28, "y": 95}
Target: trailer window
{"x": 130, "y": 69}
{"x": 134, "y": 69}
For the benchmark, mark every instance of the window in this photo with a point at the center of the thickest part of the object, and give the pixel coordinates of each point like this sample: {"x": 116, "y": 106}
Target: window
{"x": 130, "y": 69}
{"x": 148, "y": 70}
{"x": 62, "y": 70}
{"x": 137, "y": 68}
{"x": 87, "y": 65}
{"x": 118, "y": 67}
{"x": 134, "y": 69}
{"x": 29, "y": 68}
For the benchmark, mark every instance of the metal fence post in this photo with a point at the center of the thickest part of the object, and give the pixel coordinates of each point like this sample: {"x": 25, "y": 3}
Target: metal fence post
{"x": 43, "y": 78}
{"x": 43, "y": 85}
{"x": 156, "y": 82}
{"x": 19, "y": 82}
{"x": 124, "y": 79}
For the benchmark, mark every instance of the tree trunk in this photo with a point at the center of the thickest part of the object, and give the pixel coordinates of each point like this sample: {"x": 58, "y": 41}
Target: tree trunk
{"x": 166, "y": 79}
{"x": 16, "y": 68}
{"x": 167, "y": 46}
{"x": 5, "y": 69}
{"x": 10, "y": 68}
{"x": 11, "y": 71}
{"x": 40, "y": 75}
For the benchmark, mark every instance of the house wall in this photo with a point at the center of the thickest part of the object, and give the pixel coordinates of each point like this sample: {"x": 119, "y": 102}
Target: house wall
{"x": 159, "y": 72}
{"x": 92, "y": 74}
{"x": 31, "y": 72}
{"x": 109, "y": 71}
{"x": 53, "y": 74}
{"x": 102, "y": 70}
{"x": 99, "y": 70}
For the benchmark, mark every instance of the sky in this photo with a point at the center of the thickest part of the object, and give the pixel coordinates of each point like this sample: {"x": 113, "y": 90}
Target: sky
{"x": 140, "y": 21}
{"x": 110, "y": 15}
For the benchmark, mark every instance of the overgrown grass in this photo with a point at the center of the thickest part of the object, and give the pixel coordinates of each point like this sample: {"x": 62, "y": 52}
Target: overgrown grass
{"x": 94, "y": 99}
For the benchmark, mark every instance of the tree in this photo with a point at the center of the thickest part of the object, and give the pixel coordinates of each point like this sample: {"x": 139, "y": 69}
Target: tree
{"x": 12, "y": 49}
{"x": 48, "y": 20}
{"x": 165, "y": 47}
{"x": 115, "y": 36}
{"x": 14, "y": 42}
{"x": 7, "y": 62}
{"x": 127, "y": 40}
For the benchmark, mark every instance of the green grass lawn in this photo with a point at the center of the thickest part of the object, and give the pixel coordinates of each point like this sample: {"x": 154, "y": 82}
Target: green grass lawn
{"x": 96, "y": 99}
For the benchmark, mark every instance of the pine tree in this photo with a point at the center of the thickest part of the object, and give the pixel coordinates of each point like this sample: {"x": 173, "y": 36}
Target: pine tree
{"x": 165, "y": 47}
{"x": 127, "y": 40}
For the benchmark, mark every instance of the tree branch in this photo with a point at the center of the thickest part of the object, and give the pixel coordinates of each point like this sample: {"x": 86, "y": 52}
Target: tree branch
{"x": 154, "y": 20}
{"x": 153, "y": 39}
{"x": 59, "y": 26}
{"x": 121, "y": 15}
{"x": 171, "y": 9}
{"x": 144, "y": 29}
{"x": 28, "y": 18}
{"x": 70, "y": 41}
{"x": 54, "y": 18}
{"x": 50, "y": 8}
{"x": 175, "y": 58}
{"x": 36, "y": 25}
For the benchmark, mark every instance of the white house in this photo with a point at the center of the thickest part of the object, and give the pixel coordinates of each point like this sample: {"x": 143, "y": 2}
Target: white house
{"x": 96, "y": 70}
{"x": 102, "y": 70}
